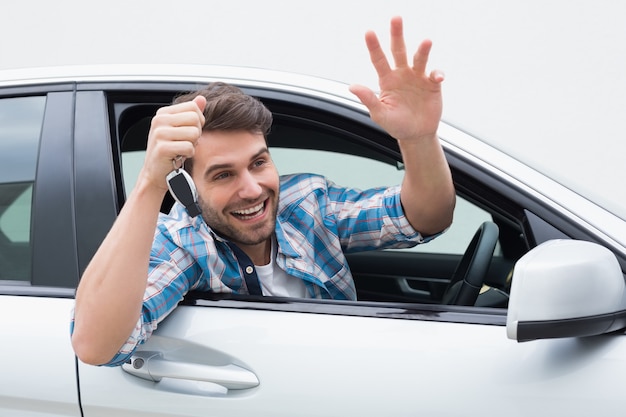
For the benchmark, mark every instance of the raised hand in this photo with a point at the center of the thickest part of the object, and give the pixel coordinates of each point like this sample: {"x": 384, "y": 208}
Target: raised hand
{"x": 409, "y": 104}
{"x": 173, "y": 135}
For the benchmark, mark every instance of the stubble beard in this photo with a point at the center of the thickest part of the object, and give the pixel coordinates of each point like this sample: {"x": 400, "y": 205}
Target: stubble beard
{"x": 219, "y": 222}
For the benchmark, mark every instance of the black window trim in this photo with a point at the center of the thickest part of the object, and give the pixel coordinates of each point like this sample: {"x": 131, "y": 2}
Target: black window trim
{"x": 388, "y": 310}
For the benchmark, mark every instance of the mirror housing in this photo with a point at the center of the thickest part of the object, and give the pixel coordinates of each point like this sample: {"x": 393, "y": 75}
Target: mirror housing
{"x": 566, "y": 288}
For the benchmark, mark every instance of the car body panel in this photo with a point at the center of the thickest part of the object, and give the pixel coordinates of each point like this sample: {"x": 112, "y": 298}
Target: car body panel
{"x": 333, "y": 365}
{"x": 38, "y": 376}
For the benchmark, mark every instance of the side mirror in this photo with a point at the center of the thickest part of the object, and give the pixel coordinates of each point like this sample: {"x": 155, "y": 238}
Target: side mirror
{"x": 566, "y": 288}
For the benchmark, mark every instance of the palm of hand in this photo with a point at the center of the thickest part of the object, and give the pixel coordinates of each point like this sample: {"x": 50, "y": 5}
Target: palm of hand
{"x": 409, "y": 105}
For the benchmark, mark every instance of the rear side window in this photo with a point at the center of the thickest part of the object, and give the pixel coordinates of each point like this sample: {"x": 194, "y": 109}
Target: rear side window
{"x": 21, "y": 119}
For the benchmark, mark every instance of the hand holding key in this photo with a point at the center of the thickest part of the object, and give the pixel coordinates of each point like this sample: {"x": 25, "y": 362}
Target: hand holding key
{"x": 173, "y": 134}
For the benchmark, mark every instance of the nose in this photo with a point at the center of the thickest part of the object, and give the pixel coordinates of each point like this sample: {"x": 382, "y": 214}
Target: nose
{"x": 249, "y": 187}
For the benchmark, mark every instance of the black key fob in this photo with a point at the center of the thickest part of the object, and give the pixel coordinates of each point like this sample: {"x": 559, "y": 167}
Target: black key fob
{"x": 184, "y": 190}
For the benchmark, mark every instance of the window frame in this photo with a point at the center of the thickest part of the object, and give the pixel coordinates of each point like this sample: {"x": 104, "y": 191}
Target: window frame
{"x": 472, "y": 181}
{"x": 348, "y": 123}
{"x": 51, "y": 230}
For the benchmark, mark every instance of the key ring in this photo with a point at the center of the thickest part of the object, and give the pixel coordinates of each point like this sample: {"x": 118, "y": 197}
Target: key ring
{"x": 175, "y": 161}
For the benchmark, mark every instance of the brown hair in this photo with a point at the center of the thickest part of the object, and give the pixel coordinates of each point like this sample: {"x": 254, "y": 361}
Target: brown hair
{"x": 229, "y": 108}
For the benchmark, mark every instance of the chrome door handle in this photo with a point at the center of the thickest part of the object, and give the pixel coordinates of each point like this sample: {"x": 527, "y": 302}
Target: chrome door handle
{"x": 152, "y": 366}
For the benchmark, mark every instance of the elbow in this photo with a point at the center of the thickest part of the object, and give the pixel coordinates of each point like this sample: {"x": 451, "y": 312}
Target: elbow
{"x": 433, "y": 212}
{"x": 435, "y": 222}
{"x": 447, "y": 212}
{"x": 447, "y": 218}
{"x": 89, "y": 353}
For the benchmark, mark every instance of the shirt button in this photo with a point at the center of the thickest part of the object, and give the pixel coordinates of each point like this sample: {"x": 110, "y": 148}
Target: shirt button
{"x": 249, "y": 270}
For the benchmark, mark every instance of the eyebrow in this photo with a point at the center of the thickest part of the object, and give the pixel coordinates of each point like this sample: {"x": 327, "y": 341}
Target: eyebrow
{"x": 218, "y": 167}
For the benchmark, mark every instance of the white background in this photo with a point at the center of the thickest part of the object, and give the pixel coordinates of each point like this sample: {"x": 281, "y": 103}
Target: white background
{"x": 543, "y": 80}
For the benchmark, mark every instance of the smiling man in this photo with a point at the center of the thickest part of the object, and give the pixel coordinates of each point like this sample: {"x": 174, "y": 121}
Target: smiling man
{"x": 259, "y": 233}
{"x": 238, "y": 185}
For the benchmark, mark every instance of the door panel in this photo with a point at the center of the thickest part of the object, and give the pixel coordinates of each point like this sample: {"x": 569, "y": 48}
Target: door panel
{"x": 36, "y": 380}
{"x": 337, "y": 365}
{"x": 399, "y": 276}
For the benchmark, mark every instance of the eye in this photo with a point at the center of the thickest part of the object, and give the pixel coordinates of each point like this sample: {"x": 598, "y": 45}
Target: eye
{"x": 259, "y": 163}
{"x": 221, "y": 176}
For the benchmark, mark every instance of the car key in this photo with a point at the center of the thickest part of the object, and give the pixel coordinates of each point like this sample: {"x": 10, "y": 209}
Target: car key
{"x": 184, "y": 190}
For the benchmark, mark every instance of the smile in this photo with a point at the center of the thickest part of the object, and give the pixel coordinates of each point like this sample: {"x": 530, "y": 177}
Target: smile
{"x": 250, "y": 213}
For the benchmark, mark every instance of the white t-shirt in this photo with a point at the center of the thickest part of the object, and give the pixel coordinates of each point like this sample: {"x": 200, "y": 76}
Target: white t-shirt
{"x": 274, "y": 281}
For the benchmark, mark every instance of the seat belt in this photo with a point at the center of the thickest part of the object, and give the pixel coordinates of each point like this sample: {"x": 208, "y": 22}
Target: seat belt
{"x": 247, "y": 270}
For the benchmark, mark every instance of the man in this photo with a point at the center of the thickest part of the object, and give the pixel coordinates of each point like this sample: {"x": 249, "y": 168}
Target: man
{"x": 285, "y": 227}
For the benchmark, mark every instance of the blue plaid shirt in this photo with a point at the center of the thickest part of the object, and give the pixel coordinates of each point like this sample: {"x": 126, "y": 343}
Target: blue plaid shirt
{"x": 317, "y": 222}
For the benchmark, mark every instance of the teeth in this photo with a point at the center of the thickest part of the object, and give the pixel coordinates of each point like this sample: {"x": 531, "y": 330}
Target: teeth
{"x": 250, "y": 210}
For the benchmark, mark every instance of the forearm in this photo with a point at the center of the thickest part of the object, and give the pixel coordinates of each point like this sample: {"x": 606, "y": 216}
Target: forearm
{"x": 110, "y": 294}
{"x": 427, "y": 194}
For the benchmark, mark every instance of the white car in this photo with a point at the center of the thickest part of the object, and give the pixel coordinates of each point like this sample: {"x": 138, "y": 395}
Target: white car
{"x": 517, "y": 310}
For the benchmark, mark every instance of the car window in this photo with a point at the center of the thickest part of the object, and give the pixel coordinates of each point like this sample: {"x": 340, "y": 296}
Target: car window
{"x": 20, "y": 128}
{"x": 352, "y": 171}
{"x": 352, "y": 155}
{"x": 132, "y": 162}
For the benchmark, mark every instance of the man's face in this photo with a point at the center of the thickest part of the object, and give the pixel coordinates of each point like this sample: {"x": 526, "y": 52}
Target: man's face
{"x": 237, "y": 185}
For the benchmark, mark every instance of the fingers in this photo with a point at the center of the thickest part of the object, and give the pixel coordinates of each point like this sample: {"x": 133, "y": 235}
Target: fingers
{"x": 398, "y": 47}
{"x": 177, "y": 126}
{"x": 398, "y": 50}
{"x": 367, "y": 97}
{"x": 179, "y": 122}
{"x": 377, "y": 56}
{"x": 436, "y": 76}
{"x": 195, "y": 106}
{"x": 420, "y": 59}
{"x": 201, "y": 103}
{"x": 172, "y": 135}
{"x": 174, "y": 131}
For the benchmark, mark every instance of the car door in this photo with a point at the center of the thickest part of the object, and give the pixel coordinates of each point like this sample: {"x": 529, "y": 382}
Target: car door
{"x": 37, "y": 252}
{"x": 280, "y": 358}
{"x": 388, "y": 354}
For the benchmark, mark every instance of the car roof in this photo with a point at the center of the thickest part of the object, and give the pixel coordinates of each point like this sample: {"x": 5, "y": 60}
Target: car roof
{"x": 248, "y": 76}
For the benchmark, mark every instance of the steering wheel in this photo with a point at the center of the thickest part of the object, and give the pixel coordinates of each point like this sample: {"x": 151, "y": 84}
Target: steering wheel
{"x": 470, "y": 273}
